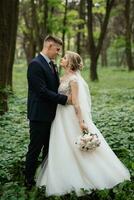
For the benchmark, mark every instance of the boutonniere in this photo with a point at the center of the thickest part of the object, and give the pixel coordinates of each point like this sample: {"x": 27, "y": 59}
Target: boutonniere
{"x": 56, "y": 68}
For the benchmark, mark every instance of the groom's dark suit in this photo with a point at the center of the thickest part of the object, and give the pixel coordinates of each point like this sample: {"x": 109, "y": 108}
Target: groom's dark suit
{"x": 43, "y": 98}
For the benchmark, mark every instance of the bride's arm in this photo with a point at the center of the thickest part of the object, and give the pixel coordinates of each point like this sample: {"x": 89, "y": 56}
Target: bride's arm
{"x": 75, "y": 102}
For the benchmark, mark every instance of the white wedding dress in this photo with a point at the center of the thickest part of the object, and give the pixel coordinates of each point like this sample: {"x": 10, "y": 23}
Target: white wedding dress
{"x": 69, "y": 169}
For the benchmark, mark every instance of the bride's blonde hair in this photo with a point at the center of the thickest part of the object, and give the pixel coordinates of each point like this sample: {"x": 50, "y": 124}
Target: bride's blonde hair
{"x": 74, "y": 61}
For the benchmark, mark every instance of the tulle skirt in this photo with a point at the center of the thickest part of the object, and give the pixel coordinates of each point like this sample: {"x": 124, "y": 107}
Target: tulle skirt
{"x": 68, "y": 169}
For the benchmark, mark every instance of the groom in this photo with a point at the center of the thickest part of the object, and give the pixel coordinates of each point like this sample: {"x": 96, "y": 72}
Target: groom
{"x": 43, "y": 97}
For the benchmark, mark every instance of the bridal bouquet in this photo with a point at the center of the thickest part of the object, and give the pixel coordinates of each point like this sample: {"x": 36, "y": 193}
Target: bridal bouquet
{"x": 88, "y": 141}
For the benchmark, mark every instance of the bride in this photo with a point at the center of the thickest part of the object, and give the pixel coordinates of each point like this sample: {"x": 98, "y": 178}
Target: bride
{"x": 67, "y": 168}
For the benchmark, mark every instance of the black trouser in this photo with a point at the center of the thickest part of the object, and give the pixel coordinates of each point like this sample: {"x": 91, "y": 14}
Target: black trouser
{"x": 39, "y": 137}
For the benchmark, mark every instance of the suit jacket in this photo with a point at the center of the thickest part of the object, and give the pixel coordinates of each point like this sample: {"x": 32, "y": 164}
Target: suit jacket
{"x": 43, "y": 94}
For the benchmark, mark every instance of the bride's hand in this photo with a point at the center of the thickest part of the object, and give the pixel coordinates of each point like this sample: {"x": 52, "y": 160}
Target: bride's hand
{"x": 83, "y": 126}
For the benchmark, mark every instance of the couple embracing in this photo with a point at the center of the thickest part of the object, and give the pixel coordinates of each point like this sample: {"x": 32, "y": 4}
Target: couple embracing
{"x": 58, "y": 112}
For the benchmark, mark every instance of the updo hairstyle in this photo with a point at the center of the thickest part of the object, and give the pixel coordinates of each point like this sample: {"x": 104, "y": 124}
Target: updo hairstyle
{"x": 74, "y": 61}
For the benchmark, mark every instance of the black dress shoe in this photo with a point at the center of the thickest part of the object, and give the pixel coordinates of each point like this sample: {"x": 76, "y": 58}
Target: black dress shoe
{"x": 29, "y": 184}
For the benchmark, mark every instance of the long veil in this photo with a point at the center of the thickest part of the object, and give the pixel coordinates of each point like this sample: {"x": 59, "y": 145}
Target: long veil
{"x": 84, "y": 98}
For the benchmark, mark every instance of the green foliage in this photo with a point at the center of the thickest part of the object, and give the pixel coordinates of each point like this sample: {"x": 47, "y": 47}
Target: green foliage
{"x": 112, "y": 109}
{"x": 119, "y": 42}
{"x": 99, "y": 6}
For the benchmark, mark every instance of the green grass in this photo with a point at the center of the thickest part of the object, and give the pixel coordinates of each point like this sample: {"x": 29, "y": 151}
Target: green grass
{"x": 112, "y": 109}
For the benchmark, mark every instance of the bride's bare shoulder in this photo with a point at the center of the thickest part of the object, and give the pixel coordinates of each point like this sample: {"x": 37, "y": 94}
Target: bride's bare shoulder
{"x": 73, "y": 78}
{"x": 68, "y": 78}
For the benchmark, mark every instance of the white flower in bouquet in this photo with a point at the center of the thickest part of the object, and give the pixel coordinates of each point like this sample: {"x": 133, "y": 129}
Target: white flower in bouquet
{"x": 88, "y": 141}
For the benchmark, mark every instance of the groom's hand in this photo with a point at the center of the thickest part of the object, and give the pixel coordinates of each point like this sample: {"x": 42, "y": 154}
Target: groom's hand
{"x": 69, "y": 99}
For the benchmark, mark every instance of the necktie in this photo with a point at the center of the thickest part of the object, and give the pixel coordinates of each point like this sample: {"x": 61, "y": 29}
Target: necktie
{"x": 52, "y": 66}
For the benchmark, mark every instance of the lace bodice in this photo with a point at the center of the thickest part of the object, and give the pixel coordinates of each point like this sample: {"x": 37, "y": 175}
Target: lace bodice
{"x": 65, "y": 87}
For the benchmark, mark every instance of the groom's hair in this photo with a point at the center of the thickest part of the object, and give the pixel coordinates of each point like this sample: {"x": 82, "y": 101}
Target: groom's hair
{"x": 54, "y": 39}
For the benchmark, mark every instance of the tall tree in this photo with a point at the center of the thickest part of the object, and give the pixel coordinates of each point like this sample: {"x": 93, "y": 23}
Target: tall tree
{"x": 28, "y": 16}
{"x": 13, "y": 33}
{"x": 128, "y": 32}
{"x": 64, "y": 26}
{"x": 42, "y": 12}
{"x": 34, "y": 25}
{"x": 94, "y": 49}
{"x": 81, "y": 11}
{"x": 8, "y": 27}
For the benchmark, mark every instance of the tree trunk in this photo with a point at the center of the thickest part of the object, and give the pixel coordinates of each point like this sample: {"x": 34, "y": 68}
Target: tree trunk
{"x": 80, "y": 26}
{"x": 104, "y": 58}
{"x": 93, "y": 71}
{"x": 4, "y": 56}
{"x": 29, "y": 48}
{"x": 30, "y": 38}
{"x": 35, "y": 39}
{"x": 7, "y": 25}
{"x": 94, "y": 50}
{"x": 13, "y": 34}
{"x": 128, "y": 36}
{"x": 64, "y": 27}
{"x": 45, "y": 17}
{"x": 43, "y": 29}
